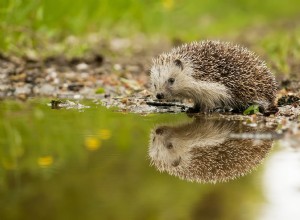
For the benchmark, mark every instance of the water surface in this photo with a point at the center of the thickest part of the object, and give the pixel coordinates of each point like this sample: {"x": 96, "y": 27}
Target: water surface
{"x": 94, "y": 163}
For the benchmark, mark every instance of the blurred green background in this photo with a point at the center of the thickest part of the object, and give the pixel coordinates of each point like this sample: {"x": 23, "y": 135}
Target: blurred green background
{"x": 189, "y": 18}
{"x": 270, "y": 27}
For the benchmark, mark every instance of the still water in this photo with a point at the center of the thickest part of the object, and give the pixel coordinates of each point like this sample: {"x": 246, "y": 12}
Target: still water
{"x": 94, "y": 163}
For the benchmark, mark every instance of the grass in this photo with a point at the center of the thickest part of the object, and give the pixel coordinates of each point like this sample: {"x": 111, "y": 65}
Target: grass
{"x": 30, "y": 23}
{"x": 39, "y": 28}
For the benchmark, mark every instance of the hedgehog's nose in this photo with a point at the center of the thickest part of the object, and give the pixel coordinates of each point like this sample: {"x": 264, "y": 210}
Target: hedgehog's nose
{"x": 159, "y": 131}
{"x": 160, "y": 95}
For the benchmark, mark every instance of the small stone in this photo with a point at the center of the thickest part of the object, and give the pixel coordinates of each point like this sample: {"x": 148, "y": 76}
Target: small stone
{"x": 22, "y": 97}
{"x": 65, "y": 86}
{"x": 50, "y": 70}
{"x": 70, "y": 75}
{"x": 84, "y": 75}
{"x": 53, "y": 74}
{"x": 24, "y": 90}
{"x": 77, "y": 96}
{"x": 117, "y": 67}
{"x": 82, "y": 66}
{"x": 47, "y": 89}
{"x": 4, "y": 87}
{"x": 56, "y": 81}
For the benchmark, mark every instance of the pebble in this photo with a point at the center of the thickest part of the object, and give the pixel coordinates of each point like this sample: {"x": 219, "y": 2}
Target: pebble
{"x": 117, "y": 67}
{"x": 70, "y": 75}
{"x": 4, "y": 87}
{"x": 77, "y": 96}
{"x": 84, "y": 76}
{"x": 23, "y": 90}
{"x": 45, "y": 89}
{"x": 82, "y": 66}
{"x": 56, "y": 81}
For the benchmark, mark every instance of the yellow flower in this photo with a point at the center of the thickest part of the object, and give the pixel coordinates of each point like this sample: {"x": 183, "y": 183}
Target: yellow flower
{"x": 168, "y": 4}
{"x": 104, "y": 134}
{"x": 45, "y": 161}
{"x": 92, "y": 143}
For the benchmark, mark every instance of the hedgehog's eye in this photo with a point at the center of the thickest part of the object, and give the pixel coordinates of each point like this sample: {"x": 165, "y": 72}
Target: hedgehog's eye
{"x": 155, "y": 86}
{"x": 170, "y": 146}
{"x": 171, "y": 80}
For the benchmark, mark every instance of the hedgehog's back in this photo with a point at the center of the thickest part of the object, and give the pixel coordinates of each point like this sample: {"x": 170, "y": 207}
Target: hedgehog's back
{"x": 240, "y": 70}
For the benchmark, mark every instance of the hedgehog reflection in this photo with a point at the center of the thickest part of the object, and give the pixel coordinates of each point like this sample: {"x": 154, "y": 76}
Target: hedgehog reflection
{"x": 203, "y": 151}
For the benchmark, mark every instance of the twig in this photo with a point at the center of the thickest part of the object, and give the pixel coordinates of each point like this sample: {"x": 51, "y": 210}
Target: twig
{"x": 169, "y": 104}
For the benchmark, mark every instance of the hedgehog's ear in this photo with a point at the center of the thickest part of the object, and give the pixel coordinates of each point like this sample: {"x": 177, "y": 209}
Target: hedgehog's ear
{"x": 178, "y": 63}
{"x": 176, "y": 162}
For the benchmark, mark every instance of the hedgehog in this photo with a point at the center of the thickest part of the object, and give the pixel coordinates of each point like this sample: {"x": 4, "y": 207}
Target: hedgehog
{"x": 214, "y": 75}
{"x": 204, "y": 151}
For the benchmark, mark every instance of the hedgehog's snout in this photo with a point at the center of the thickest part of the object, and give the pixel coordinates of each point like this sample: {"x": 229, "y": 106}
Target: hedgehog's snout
{"x": 159, "y": 131}
{"x": 160, "y": 96}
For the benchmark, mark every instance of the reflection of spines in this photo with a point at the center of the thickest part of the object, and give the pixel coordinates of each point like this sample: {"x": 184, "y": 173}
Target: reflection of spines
{"x": 226, "y": 161}
{"x": 184, "y": 137}
{"x": 203, "y": 151}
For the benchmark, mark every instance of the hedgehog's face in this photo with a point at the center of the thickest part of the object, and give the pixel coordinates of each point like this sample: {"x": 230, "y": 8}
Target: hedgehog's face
{"x": 166, "y": 79}
{"x": 164, "y": 151}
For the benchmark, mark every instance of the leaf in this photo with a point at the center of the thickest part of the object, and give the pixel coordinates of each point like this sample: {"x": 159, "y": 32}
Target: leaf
{"x": 252, "y": 109}
{"x": 100, "y": 91}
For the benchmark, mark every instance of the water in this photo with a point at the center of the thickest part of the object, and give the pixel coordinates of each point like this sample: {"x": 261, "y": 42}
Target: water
{"x": 93, "y": 163}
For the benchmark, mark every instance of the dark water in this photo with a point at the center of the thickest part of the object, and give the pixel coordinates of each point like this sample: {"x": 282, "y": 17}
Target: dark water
{"x": 96, "y": 164}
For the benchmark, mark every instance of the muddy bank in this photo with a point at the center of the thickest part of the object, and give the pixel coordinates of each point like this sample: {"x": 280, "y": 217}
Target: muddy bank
{"x": 112, "y": 76}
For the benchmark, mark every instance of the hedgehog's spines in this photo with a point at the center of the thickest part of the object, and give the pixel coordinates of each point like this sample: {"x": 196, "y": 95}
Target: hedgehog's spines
{"x": 239, "y": 70}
